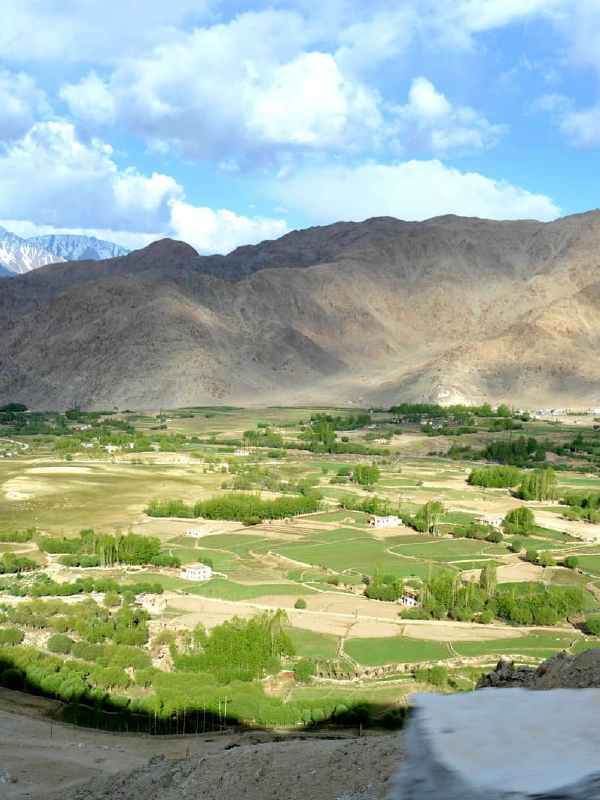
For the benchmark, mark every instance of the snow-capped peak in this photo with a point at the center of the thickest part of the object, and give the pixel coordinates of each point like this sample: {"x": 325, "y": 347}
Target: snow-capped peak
{"x": 18, "y": 255}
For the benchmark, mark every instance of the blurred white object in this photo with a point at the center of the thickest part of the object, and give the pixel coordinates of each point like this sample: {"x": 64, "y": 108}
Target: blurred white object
{"x": 496, "y": 744}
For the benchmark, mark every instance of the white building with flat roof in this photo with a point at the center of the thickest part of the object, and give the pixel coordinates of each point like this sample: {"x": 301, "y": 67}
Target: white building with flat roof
{"x": 384, "y": 522}
{"x": 494, "y": 522}
{"x": 242, "y": 451}
{"x": 196, "y": 572}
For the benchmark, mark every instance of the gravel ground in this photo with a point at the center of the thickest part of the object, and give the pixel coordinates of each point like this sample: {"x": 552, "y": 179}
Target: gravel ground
{"x": 348, "y": 769}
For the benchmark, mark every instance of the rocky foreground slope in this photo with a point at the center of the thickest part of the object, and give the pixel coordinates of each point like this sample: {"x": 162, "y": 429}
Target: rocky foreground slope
{"x": 450, "y": 309}
{"x": 347, "y": 769}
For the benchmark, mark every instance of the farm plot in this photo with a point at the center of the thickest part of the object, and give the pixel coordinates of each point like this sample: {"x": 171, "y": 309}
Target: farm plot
{"x": 449, "y": 549}
{"x": 537, "y": 646}
{"x": 394, "y": 650}
{"x": 228, "y": 590}
{"x": 363, "y": 553}
{"x": 312, "y": 644}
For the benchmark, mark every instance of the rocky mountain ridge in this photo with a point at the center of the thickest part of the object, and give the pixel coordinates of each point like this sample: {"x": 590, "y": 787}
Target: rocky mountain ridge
{"x": 451, "y": 309}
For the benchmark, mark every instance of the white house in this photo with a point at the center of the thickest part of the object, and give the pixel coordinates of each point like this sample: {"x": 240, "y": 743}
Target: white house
{"x": 112, "y": 448}
{"x": 380, "y": 441}
{"x": 494, "y": 522}
{"x": 197, "y": 532}
{"x": 410, "y": 597}
{"x": 384, "y": 522}
{"x": 242, "y": 451}
{"x": 196, "y": 572}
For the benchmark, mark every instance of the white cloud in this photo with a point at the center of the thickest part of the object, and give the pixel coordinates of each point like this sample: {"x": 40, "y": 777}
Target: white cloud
{"x": 53, "y": 178}
{"x": 221, "y": 231}
{"x": 484, "y": 15}
{"x": 428, "y": 122}
{"x": 364, "y": 45}
{"x": 90, "y": 100}
{"x": 20, "y": 101}
{"x": 50, "y": 182}
{"x": 582, "y": 127}
{"x": 89, "y": 31}
{"x": 248, "y": 87}
{"x": 412, "y": 190}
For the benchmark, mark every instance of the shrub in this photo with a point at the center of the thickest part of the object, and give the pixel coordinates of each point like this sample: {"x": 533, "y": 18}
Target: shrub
{"x": 59, "y": 643}
{"x": 531, "y": 556}
{"x": 571, "y": 562}
{"x": 593, "y": 625}
{"x": 11, "y": 636}
{"x": 300, "y": 603}
{"x": 12, "y": 678}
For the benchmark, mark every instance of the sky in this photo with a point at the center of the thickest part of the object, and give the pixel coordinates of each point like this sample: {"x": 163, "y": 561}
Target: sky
{"x": 226, "y": 123}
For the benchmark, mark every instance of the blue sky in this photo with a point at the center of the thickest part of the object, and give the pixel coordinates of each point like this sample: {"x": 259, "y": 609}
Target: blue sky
{"x": 224, "y": 123}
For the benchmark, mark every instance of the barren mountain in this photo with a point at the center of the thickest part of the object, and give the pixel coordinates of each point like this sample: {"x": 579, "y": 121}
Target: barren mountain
{"x": 451, "y": 309}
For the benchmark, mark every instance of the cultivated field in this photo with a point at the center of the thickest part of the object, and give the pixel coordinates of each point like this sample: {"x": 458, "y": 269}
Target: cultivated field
{"x": 317, "y": 566}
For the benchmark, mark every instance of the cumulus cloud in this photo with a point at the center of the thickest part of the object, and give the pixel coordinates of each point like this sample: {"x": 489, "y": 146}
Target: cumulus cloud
{"x": 221, "y": 231}
{"x": 50, "y": 182}
{"x": 21, "y": 100}
{"x": 52, "y": 177}
{"x": 412, "y": 190}
{"x": 246, "y": 87}
{"x": 428, "y": 122}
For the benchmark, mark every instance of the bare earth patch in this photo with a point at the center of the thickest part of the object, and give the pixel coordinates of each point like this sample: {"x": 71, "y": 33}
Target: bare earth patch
{"x": 445, "y": 632}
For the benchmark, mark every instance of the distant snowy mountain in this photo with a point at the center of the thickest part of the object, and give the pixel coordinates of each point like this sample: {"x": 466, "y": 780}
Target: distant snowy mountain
{"x": 71, "y": 247}
{"x": 18, "y": 255}
{"x": 4, "y": 273}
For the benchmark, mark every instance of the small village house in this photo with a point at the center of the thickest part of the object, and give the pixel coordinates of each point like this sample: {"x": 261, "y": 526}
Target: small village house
{"x": 410, "y": 597}
{"x": 152, "y": 603}
{"x": 196, "y": 572}
{"x": 384, "y": 522}
{"x": 494, "y": 522}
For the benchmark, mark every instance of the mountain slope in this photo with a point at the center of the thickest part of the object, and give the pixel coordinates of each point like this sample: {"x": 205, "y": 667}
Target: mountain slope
{"x": 450, "y": 309}
{"x": 70, "y": 247}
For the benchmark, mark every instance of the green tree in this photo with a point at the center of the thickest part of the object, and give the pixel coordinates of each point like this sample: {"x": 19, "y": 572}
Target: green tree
{"x": 304, "y": 670}
{"x": 519, "y": 522}
{"x": 571, "y": 562}
{"x": 300, "y": 603}
{"x": 488, "y": 579}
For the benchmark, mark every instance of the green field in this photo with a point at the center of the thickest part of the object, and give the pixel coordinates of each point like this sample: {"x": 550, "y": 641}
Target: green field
{"x": 394, "y": 650}
{"x": 364, "y": 554}
{"x": 312, "y": 644}
{"x": 536, "y": 646}
{"x": 228, "y": 590}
